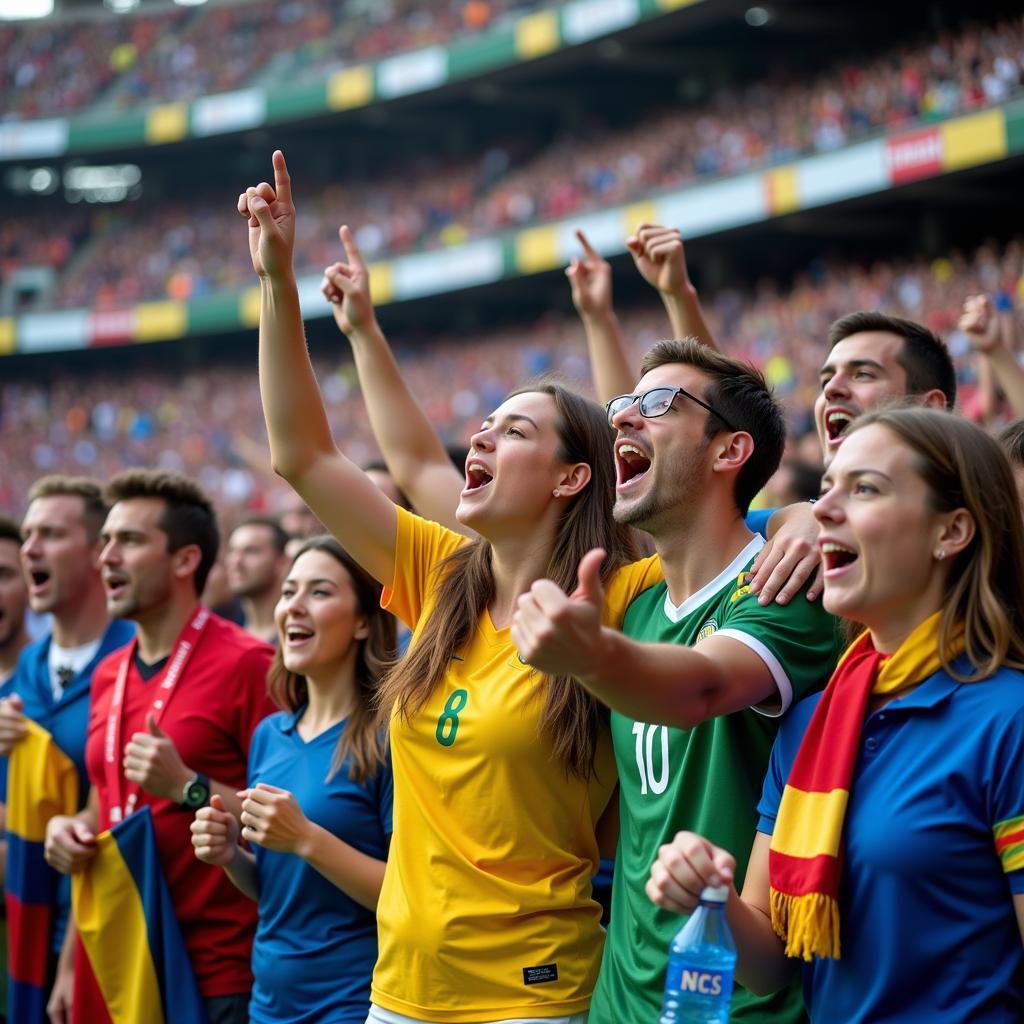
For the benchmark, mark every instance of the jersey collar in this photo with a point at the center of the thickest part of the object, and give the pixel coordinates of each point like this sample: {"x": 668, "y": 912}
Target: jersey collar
{"x": 676, "y": 613}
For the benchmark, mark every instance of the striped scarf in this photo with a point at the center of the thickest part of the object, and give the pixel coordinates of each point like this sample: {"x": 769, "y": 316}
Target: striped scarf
{"x": 805, "y": 856}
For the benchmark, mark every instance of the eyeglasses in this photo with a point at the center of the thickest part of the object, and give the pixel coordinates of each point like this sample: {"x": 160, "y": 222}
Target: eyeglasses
{"x": 657, "y": 402}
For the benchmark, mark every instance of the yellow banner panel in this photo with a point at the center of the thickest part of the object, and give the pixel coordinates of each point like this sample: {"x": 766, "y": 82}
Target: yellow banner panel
{"x": 783, "y": 193}
{"x": 537, "y": 34}
{"x": 537, "y": 249}
{"x": 167, "y": 123}
{"x": 637, "y": 214}
{"x": 351, "y": 87}
{"x": 8, "y": 336}
{"x": 249, "y": 307}
{"x": 160, "y": 321}
{"x": 974, "y": 140}
{"x": 382, "y": 282}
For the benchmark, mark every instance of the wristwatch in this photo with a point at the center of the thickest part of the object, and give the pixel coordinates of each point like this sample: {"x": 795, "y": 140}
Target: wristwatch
{"x": 196, "y": 793}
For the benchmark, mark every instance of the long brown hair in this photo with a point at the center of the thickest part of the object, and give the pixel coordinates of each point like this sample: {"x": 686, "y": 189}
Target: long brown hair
{"x": 362, "y": 739}
{"x": 963, "y": 467}
{"x": 464, "y": 586}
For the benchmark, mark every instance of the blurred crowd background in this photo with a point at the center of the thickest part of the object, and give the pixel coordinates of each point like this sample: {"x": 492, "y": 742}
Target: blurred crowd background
{"x": 184, "y": 240}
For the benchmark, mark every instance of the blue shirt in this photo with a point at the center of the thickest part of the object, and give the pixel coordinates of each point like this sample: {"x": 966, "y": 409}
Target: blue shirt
{"x": 757, "y": 520}
{"x": 315, "y": 947}
{"x": 67, "y": 721}
{"x": 927, "y": 926}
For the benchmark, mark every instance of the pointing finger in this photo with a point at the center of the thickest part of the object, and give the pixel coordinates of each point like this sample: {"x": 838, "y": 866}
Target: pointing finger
{"x": 355, "y": 257}
{"x": 282, "y": 179}
{"x": 588, "y": 249}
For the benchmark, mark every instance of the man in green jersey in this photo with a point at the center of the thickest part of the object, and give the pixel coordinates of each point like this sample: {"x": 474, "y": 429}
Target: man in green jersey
{"x": 701, "y": 672}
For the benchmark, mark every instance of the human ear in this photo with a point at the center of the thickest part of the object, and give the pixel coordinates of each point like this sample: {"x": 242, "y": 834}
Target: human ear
{"x": 186, "y": 560}
{"x": 735, "y": 450}
{"x": 573, "y": 480}
{"x": 956, "y": 532}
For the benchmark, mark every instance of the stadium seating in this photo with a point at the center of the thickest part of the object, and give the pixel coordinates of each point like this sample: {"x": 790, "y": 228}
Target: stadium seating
{"x": 173, "y": 249}
{"x": 206, "y": 422}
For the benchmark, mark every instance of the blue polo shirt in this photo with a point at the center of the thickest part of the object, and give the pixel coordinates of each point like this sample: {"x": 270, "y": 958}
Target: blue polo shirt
{"x": 315, "y": 947}
{"x": 927, "y": 925}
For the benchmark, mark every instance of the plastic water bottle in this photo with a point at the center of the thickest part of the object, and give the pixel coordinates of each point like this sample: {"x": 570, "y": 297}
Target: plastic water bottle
{"x": 701, "y": 961}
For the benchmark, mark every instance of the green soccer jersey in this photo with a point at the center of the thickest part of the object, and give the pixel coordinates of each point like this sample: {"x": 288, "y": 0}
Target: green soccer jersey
{"x": 705, "y": 780}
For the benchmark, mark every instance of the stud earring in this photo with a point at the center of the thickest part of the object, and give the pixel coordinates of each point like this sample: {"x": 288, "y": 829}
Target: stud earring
{"x": 940, "y": 554}
{"x": 557, "y": 493}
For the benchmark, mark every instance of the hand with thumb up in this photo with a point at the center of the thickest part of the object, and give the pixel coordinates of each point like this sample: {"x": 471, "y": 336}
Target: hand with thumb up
{"x": 560, "y": 633}
{"x": 152, "y": 761}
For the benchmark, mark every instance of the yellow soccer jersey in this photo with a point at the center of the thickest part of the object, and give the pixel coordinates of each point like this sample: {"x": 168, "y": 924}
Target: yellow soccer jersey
{"x": 486, "y": 910}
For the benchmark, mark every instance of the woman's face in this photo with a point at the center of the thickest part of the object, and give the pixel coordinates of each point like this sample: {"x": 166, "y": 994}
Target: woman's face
{"x": 318, "y": 617}
{"x": 880, "y": 538}
{"x": 513, "y": 468}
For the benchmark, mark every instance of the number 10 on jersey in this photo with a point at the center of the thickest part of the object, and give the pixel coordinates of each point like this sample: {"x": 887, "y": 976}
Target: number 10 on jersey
{"x": 645, "y": 750}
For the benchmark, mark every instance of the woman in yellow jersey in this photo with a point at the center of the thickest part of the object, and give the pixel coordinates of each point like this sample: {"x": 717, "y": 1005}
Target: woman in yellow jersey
{"x": 500, "y": 774}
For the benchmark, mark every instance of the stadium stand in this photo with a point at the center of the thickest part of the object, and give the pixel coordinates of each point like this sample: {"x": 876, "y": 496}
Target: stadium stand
{"x": 199, "y": 422}
{"x": 171, "y": 250}
{"x": 179, "y": 54}
{"x": 769, "y": 297}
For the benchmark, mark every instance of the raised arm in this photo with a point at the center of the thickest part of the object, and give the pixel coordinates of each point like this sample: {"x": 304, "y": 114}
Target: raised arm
{"x": 658, "y": 254}
{"x": 414, "y": 454}
{"x": 301, "y": 447}
{"x": 990, "y": 333}
{"x": 590, "y": 279}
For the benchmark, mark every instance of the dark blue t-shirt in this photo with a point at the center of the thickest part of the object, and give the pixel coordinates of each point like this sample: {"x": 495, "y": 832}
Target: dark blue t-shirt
{"x": 315, "y": 947}
{"x": 931, "y": 865}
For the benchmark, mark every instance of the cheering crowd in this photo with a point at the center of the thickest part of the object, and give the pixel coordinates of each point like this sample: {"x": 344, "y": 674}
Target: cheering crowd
{"x": 384, "y": 792}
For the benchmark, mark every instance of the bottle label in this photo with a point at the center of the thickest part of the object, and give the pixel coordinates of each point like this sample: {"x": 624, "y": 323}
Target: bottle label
{"x": 699, "y": 981}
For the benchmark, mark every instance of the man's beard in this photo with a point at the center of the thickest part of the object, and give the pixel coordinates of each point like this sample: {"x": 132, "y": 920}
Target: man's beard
{"x": 669, "y": 499}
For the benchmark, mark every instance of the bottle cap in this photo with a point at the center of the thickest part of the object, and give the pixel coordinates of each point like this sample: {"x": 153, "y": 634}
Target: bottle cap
{"x": 715, "y": 893}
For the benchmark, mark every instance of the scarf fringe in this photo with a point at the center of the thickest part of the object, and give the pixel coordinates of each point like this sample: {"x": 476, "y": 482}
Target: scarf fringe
{"x": 808, "y": 924}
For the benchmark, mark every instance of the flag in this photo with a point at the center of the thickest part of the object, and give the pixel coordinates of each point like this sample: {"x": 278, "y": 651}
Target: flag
{"x": 131, "y": 964}
{"x": 42, "y": 781}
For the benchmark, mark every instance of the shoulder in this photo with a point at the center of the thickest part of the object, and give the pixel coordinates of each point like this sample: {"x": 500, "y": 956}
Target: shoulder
{"x": 270, "y": 728}
{"x": 629, "y": 582}
{"x": 232, "y": 643}
{"x": 32, "y": 654}
{"x": 415, "y": 531}
{"x": 793, "y": 726}
{"x": 106, "y": 670}
{"x": 120, "y": 630}
{"x": 119, "y": 633}
{"x": 996, "y": 703}
{"x": 27, "y": 669}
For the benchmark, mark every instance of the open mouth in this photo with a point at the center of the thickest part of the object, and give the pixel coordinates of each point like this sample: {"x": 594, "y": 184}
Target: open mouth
{"x": 116, "y": 585}
{"x": 836, "y": 556}
{"x": 39, "y": 578}
{"x": 297, "y": 634}
{"x": 836, "y": 423}
{"x": 477, "y": 476}
{"x": 631, "y": 463}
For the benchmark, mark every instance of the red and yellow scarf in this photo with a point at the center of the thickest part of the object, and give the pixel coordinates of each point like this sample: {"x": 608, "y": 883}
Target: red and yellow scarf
{"x": 805, "y": 856}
